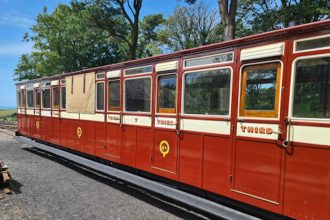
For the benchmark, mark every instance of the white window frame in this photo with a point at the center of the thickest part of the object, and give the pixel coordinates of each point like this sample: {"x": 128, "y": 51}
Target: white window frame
{"x": 210, "y": 64}
{"x": 230, "y": 92}
{"x": 42, "y": 98}
{"x": 176, "y": 94}
{"x": 291, "y": 98}
{"x": 27, "y": 103}
{"x": 124, "y": 94}
{"x": 307, "y": 39}
{"x": 96, "y": 95}
{"x": 137, "y": 74}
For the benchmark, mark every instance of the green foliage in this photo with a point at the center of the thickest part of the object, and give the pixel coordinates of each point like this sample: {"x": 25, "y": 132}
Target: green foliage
{"x": 260, "y": 16}
{"x": 8, "y": 115}
{"x": 191, "y": 26}
{"x": 67, "y": 40}
{"x": 149, "y": 44}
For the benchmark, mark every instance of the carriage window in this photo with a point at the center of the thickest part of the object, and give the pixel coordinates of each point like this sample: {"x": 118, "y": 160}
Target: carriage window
{"x": 114, "y": 96}
{"x": 56, "y": 97}
{"x": 45, "y": 98}
{"x": 312, "y": 44}
{"x": 260, "y": 90}
{"x": 19, "y": 99}
{"x": 311, "y": 97}
{"x": 138, "y": 70}
{"x": 207, "y": 60}
{"x": 63, "y": 97}
{"x": 23, "y": 98}
{"x": 166, "y": 94}
{"x": 30, "y": 103}
{"x": 38, "y": 99}
{"x": 207, "y": 92}
{"x": 138, "y": 95}
{"x": 100, "y": 96}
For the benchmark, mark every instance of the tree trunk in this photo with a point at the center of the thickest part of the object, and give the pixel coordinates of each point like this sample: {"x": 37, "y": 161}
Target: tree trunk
{"x": 228, "y": 18}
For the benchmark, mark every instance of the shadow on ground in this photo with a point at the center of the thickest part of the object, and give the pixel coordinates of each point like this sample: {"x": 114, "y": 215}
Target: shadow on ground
{"x": 161, "y": 202}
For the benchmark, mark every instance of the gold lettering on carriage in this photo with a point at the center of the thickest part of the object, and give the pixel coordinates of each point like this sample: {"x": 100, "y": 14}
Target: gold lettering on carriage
{"x": 114, "y": 118}
{"x": 256, "y": 130}
{"x": 166, "y": 122}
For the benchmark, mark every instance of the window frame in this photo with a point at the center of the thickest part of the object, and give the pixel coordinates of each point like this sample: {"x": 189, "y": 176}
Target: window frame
{"x": 61, "y": 96}
{"x": 35, "y": 97}
{"x": 158, "y": 93}
{"x": 27, "y": 99}
{"x": 53, "y": 99}
{"x": 292, "y": 83}
{"x": 151, "y": 96}
{"x": 96, "y": 95}
{"x": 42, "y": 98}
{"x": 210, "y": 64}
{"x": 307, "y": 39}
{"x": 230, "y": 93}
{"x": 137, "y": 67}
{"x": 120, "y": 99}
{"x": 277, "y": 104}
{"x": 23, "y": 99}
{"x": 19, "y": 98}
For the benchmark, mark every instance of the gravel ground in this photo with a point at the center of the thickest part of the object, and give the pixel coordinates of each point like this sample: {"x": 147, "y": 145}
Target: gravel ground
{"x": 45, "y": 187}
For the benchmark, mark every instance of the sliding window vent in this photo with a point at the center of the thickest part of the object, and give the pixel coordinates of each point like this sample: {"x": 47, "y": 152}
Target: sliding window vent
{"x": 166, "y": 66}
{"x": 270, "y": 50}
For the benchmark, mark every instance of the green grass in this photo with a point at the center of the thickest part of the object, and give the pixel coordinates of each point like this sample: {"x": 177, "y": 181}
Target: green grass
{"x": 8, "y": 115}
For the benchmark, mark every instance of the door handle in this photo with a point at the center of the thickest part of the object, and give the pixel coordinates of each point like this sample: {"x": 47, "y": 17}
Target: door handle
{"x": 178, "y": 124}
{"x": 286, "y": 143}
{"x": 277, "y": 132}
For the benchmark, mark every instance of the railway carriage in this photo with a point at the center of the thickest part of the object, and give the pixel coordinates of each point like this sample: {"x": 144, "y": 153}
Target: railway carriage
{"x": 246, "y": 120}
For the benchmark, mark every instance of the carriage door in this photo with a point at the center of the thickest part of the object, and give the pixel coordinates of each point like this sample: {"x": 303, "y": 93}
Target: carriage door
{"x": 114, "y": 117}
{"x": 164, "y": 160}
{"x": 257, "y": 159}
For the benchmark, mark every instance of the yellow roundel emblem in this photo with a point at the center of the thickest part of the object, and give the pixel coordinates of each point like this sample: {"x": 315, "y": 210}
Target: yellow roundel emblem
{"x": 79, "y": 132}
{"x": 37, "y": 124}
{"x": 164, "y": 148}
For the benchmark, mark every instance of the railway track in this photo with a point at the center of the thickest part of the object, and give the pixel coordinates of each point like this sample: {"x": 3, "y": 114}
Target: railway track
{"x": 11, "y": 126}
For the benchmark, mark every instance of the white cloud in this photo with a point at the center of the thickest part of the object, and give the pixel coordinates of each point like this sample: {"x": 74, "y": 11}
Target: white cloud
{"x": 15, "y": 49}
{"x": 15, "y": 19}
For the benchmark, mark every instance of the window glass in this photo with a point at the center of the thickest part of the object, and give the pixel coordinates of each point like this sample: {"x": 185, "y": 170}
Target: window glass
{"x": 312, "y": 88}
{"x": 100, "y": 96}
{"x": 313, "y": 44}
{"x": 145, "y": 69}
{"x": 260, "y": 89}
{"x": 114, "y": 95}
{"x": 138, "y": 95}
{"x": 219, "y": 58}
{"x": 19, "y": 99}
{"x": 45, "y": 98}
{"x": 166, "y": 94}
{"x": 30, "y": 102}
{"x": 207, "y": 92}
{"x": 23, "y": 98}
{"x": 38, "y": 98}
{"x": 63, "y": 97}
{"x": 56, "y": 97}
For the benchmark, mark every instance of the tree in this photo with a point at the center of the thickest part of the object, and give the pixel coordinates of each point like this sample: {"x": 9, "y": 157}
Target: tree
{"x": 67, "y": 40}
{"x": 228, "y": 16}
{"x": 133, "y": 21}
{"x": 191, "y": 26}
{"x": 260, "y": 16}
{"x": 149, "y": 44}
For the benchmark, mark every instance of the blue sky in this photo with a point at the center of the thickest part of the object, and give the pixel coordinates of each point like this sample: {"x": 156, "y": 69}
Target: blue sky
{"x": 17, "y": 16}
